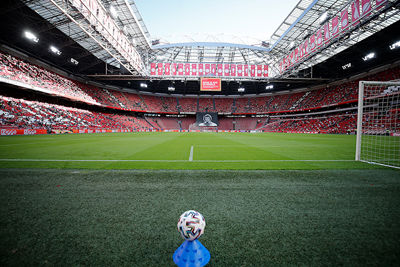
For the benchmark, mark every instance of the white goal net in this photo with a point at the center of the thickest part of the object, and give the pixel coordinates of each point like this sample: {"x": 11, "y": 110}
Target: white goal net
{"x": 378, "y": 123}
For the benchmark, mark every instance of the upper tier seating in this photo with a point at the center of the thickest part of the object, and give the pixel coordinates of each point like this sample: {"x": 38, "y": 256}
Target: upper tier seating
{"x": 20, "y": 113}
{"x": 16, "y": 69}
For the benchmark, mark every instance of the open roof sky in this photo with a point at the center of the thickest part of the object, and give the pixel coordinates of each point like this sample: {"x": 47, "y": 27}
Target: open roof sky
{"x": 235, "y": 21}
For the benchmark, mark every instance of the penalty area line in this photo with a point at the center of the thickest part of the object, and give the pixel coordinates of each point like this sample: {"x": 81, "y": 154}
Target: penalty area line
{"x": 191, "y": 154}
{"x": 96, "y": 160}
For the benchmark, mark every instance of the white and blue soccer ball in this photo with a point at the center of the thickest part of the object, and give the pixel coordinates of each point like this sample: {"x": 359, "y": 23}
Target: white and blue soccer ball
{"x": 191, "y": 225}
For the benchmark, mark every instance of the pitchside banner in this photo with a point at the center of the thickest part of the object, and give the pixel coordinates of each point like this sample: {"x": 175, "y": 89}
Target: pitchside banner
{"x": 22, "y": 131}
{"x": 210, "y": 84}
{"x": 207, "y": 119}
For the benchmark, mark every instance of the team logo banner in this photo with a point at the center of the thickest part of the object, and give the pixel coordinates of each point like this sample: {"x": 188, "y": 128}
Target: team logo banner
{"x": 345, "y": 19}
{"x": 153, "y": 68}
{"x": 379, "y": 3}
{"x": 335, "y": 26}
{"x": 206, "y": 69}
{"x": 366, "y": 7}
{"x": 207, "y": 119}
{"x": 355, "y": 12}
{"x": 167, "y": 69}
{"x": 210, "y": 84}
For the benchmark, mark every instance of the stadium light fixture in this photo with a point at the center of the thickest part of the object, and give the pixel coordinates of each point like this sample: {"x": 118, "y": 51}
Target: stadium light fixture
{"x": 241, "y": 89}
{"x": 346, "y": 66}
{"x": 143, "y": 85}
{"x": 269, "y": 87}
{"x": 171, "y": 88}
{"x": 31, "y": 36}
{"x": 74, "y": 61}
{"x": 155, "y": 42}
{"x": 307, "y": 33}
{"x": 113, "y": 11}
{"x": 324, "y": 17}
{"x": 369, "y": 56}
{"x": 125, "y": 29}
{"x": 55, "y": 50}
{"x": 265, "y": 44}
{"x": 395, "y": 45}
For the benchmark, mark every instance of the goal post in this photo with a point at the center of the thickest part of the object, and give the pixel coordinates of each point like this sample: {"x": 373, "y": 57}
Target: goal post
{"x": 378, "y": 123}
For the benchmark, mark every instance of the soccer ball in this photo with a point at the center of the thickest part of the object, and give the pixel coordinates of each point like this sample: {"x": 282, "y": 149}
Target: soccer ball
{"x": 191, "y": 225}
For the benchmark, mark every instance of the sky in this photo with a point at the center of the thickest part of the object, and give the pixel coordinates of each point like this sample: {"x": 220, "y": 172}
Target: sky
{"x": 236, "y": 21}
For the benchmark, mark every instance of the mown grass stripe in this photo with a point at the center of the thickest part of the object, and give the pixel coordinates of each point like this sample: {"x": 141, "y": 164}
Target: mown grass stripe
{"x": 190, "y": 159}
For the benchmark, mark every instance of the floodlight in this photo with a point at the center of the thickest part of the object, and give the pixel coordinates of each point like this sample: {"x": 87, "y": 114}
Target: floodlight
{"x": 113, "y": 11}
{"x": 395, "y": 45}
{"x": 31, "y": 36}
{"x": 269, "y": 87}
{"x": 241, "y": 89}
{"x": 369, "y": 56}
{"x": 324, "y": 17}
{"x": 55, "y": 50}
{"x": 307, "y": 33}
{"x": 143, "y": 85}
{"x": 171, "y": 88}
{"x": 346, "y": 66}
{"x": 265, "y": 44}
{"x": 74, "y": 61}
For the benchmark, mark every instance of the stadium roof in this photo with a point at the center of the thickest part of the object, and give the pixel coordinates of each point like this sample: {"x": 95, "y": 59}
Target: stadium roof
{"x": 303, "y": 20}
{"x": 233, "y": 21}
{"x": 70, "y": 33}
{"x": 74, "y": 25}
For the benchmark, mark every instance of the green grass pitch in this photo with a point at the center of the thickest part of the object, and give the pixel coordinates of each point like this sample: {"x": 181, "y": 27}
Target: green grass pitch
{"x": 172, "y": 151}
{"x": 268, "y": 200}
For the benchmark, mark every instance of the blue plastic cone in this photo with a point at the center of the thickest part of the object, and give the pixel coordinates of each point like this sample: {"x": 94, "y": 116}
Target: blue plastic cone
{"x": 191, "y": 254}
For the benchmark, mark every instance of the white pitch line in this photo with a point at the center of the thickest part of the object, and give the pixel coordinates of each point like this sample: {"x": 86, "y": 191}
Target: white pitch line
{"x": 191, "y": 154}
{"x": 166, "y": 160}
{"x": 97, "y": 160}
{"x": 279, "y": 160}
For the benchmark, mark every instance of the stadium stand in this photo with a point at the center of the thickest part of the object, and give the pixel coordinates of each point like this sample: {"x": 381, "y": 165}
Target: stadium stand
{"x": 188, "y": 104}
{"x": 223, "y": 105}
{"x": 206, "y": 104}
{"x": 167, "y": 123}
{"x": 20, "y": 113}
{"x": 225, "y": 124}
{"x": 18, "y": 70}
{"x": 246, "y": 124}
{"x": 185, "y": 123}
{"x": 335, "y": 124}
{"x": 169, "y": 104}
{"x": 378, "y": 124}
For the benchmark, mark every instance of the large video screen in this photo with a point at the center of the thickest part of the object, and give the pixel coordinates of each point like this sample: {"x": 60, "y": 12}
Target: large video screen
{"x": 207, "y": 119}
{"x": 210, "y": 84}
